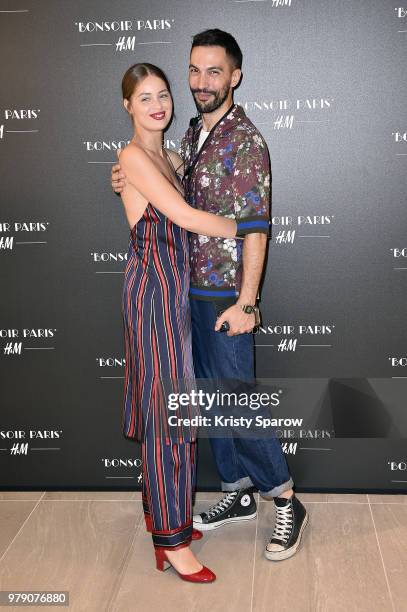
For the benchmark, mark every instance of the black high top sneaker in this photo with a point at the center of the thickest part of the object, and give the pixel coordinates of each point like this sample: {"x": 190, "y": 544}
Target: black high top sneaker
{"x": 291, "y": 519}
{"x": 233, "y": 507}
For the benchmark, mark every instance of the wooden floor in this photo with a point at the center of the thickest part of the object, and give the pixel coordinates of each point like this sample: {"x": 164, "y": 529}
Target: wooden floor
{"x": 353, "y": 556}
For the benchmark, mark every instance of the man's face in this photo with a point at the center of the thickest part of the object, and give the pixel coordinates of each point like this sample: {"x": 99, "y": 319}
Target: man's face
{"x": 211, "y": 77}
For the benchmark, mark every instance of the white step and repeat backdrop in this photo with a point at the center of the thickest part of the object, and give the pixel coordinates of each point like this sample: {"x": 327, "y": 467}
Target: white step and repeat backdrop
{"x": 325, "y": 82}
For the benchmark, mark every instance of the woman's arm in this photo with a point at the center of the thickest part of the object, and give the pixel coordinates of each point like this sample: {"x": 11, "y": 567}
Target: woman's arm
{"x": 157, "y": 189}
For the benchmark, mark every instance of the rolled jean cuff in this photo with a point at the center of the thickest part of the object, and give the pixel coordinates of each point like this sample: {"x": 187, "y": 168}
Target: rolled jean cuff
{"x": 276, "y": 491}
{"x": 242, "y": 483}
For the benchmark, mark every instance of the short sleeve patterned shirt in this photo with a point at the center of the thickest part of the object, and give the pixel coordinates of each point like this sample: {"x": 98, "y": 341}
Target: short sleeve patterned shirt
{"x": 230, "y": 176}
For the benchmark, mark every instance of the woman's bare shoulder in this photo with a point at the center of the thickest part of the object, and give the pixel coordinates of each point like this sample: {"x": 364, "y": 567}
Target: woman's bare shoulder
{"x": 137, "y": 163}
{"x": 132, "y": 152}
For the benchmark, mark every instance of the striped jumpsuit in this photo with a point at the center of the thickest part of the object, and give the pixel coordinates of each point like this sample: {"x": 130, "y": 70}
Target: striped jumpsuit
{"x": 157, "y": 333}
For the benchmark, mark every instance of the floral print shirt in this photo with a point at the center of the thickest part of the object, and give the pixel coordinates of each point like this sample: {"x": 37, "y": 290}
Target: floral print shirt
{"x": 229, "y": 175}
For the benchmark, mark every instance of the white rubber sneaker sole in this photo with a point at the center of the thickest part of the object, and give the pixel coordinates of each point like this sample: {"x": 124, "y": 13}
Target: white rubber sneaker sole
{"x": 232, "y": 519}
{"x": 286, "y": 554}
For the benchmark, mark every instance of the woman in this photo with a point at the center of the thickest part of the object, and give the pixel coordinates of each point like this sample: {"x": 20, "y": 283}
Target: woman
{"x": 157, "y": 318}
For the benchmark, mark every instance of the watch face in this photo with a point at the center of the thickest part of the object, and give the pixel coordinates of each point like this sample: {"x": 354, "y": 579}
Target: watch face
{"x": 248, "y": 309}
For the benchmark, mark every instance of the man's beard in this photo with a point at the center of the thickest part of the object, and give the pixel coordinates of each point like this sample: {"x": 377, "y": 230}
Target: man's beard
{"x": 210, "y": 105}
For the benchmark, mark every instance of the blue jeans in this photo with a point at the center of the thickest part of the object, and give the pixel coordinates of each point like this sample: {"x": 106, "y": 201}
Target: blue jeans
{"x": 241, "y": 462}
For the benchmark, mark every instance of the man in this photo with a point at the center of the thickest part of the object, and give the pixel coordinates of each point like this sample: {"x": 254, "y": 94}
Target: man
{"x": 227, "y": 172}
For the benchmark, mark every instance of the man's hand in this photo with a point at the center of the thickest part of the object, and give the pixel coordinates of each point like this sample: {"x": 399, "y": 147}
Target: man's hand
{"x": 118, "y": 178}
{"x": 239, "y": 321}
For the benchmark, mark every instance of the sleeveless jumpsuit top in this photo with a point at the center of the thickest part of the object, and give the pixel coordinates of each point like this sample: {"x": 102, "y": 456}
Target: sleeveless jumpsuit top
{"x": 157, "y": 331}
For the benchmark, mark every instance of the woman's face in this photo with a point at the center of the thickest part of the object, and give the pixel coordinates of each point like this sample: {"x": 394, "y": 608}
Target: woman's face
{"x": 150, "y": 104}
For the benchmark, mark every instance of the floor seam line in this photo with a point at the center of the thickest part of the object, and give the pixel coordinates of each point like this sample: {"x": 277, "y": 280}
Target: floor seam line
{"x": 254, "y": 560}
{"x": 22, "y": 526}
{"x": 381, "y": 557}
{"x": 115, "y": 589}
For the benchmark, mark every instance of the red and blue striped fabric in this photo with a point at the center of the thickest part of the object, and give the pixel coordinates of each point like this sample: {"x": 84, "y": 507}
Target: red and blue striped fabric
{"x": 157, "y": 328}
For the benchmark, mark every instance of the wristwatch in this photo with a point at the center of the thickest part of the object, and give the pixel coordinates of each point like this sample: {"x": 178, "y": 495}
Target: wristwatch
{"x": 249, "y": 309}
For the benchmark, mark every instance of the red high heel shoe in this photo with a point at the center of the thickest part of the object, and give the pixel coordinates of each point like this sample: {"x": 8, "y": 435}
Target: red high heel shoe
{"x": 204, "y": 575}
{"x": 196, "y": 534}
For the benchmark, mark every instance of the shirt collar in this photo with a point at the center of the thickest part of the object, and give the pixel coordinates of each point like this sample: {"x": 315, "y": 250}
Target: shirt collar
{"x": 232, "y": 116}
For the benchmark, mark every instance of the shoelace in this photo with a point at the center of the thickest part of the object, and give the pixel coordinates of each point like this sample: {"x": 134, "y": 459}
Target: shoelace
{"x": 283, "y": 524}
{"x": 222, "y": 505}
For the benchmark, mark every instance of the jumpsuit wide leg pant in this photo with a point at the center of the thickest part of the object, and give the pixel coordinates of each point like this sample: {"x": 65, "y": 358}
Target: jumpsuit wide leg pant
{"x": 156, "y": 315}
{"x": 169, "y": 476}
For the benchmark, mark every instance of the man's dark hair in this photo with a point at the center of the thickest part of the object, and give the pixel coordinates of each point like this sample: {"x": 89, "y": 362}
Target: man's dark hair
{"x": 218, "y": 38}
